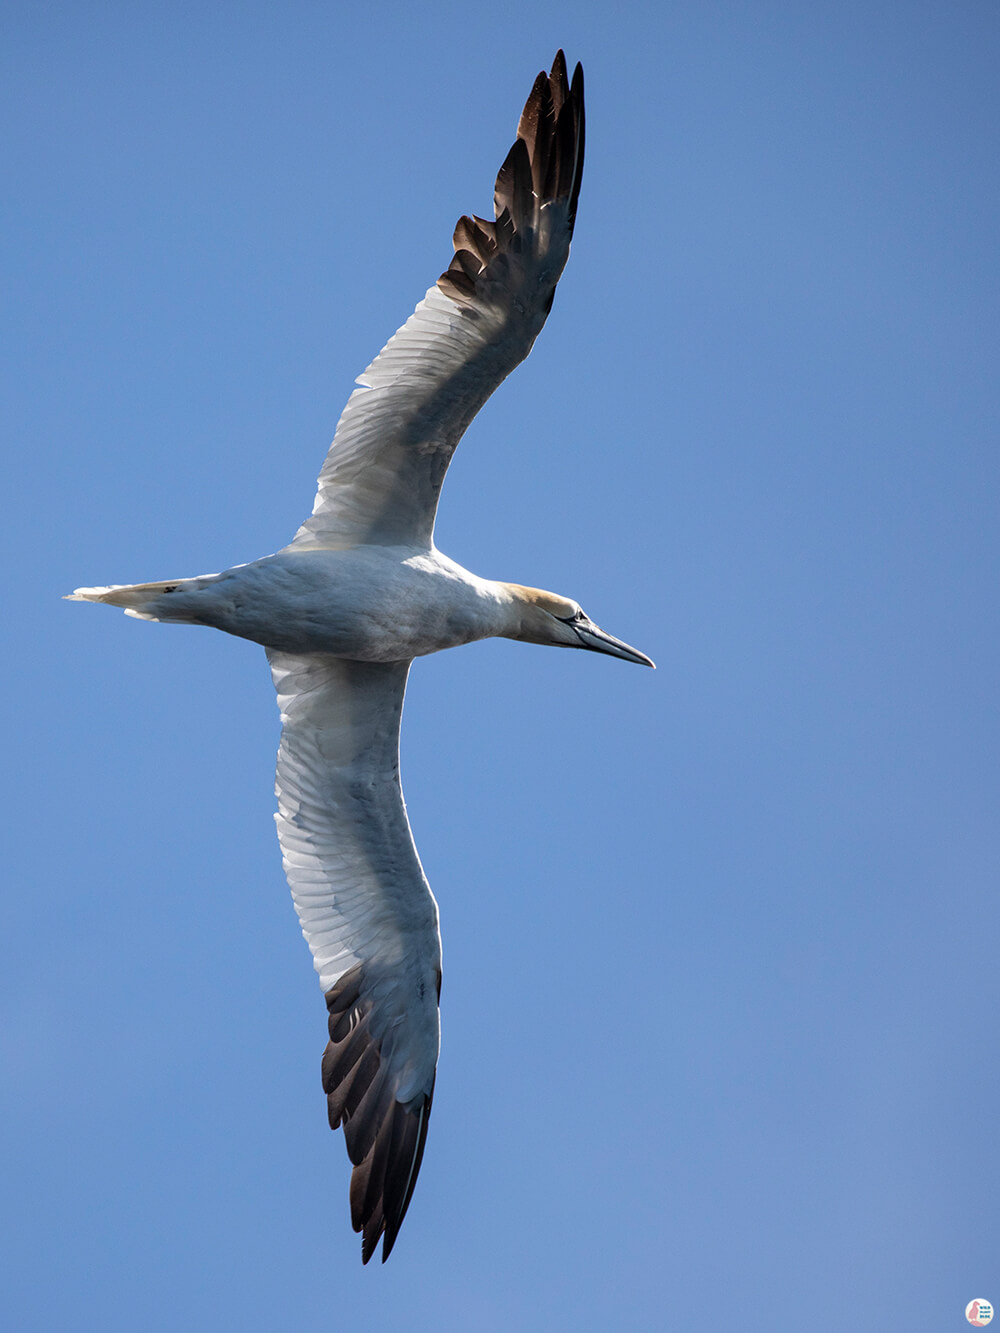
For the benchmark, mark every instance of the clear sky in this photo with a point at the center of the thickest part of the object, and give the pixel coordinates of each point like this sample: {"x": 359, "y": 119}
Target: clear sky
{"x": 720, "y": 996}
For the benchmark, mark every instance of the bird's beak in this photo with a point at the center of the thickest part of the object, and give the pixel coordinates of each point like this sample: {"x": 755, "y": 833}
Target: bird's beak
{"x": 594, "y": 638}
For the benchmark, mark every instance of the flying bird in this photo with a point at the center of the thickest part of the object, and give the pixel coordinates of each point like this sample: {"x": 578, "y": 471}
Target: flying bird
{"x": 343, "y": 610}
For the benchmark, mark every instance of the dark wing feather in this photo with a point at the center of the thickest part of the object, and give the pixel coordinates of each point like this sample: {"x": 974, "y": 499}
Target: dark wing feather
{"x": 385, "y": 1138}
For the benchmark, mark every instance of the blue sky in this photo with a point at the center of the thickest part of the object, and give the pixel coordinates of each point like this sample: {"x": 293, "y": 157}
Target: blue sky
{"x": 720, "y": 942}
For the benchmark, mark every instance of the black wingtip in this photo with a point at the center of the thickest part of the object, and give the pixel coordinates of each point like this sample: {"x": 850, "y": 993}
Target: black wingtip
{"x": 385, "y": 1138}
{"x": 545, "y": 165}
{"x": 398, "y": 1210}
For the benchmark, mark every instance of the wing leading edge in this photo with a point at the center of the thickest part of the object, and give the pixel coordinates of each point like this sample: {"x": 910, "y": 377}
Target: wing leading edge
{"x": 368, "y": 915}
{"x": 383, "y": 474}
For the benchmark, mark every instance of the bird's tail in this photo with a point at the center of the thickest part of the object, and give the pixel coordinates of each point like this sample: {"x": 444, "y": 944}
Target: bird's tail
{"x": 146, "y": 601}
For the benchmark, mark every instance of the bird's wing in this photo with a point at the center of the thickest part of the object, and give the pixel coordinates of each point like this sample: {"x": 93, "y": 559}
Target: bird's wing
{"x": 382, "y": 476}
{"x": 368, "y": 915}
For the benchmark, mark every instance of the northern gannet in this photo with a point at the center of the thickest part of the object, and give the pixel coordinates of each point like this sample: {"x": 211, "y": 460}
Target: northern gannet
{"x": 342, "y": 611}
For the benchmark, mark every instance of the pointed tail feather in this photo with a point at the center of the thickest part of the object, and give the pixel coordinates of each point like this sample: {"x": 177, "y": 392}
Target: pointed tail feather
{"x": 142, "y": 600}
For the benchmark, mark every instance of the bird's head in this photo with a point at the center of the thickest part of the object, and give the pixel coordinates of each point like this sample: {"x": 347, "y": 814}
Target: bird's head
{"x": 545, "y": 617}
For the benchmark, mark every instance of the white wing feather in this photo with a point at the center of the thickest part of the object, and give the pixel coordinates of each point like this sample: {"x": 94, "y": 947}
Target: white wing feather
{"x": 368, "y": 915}
{"x": 382, "y": 476}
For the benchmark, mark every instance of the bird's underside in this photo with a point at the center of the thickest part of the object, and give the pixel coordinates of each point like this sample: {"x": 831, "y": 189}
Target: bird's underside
{"x": 363, "y": 901}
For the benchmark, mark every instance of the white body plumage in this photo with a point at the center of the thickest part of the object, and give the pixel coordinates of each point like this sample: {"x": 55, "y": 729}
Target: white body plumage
{"x": 369, "y": 603}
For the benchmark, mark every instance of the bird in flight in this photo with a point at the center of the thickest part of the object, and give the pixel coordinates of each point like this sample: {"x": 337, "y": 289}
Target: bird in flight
{"x": 343, "y": 610}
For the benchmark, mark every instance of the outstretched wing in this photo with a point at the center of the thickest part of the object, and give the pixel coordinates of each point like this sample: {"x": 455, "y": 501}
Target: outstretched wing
{"x": 368, "y": 915}
{"x": 382, "y": 477}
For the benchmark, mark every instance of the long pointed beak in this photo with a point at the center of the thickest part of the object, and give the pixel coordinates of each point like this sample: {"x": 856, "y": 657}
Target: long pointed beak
{"x": 597, "y": 641}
